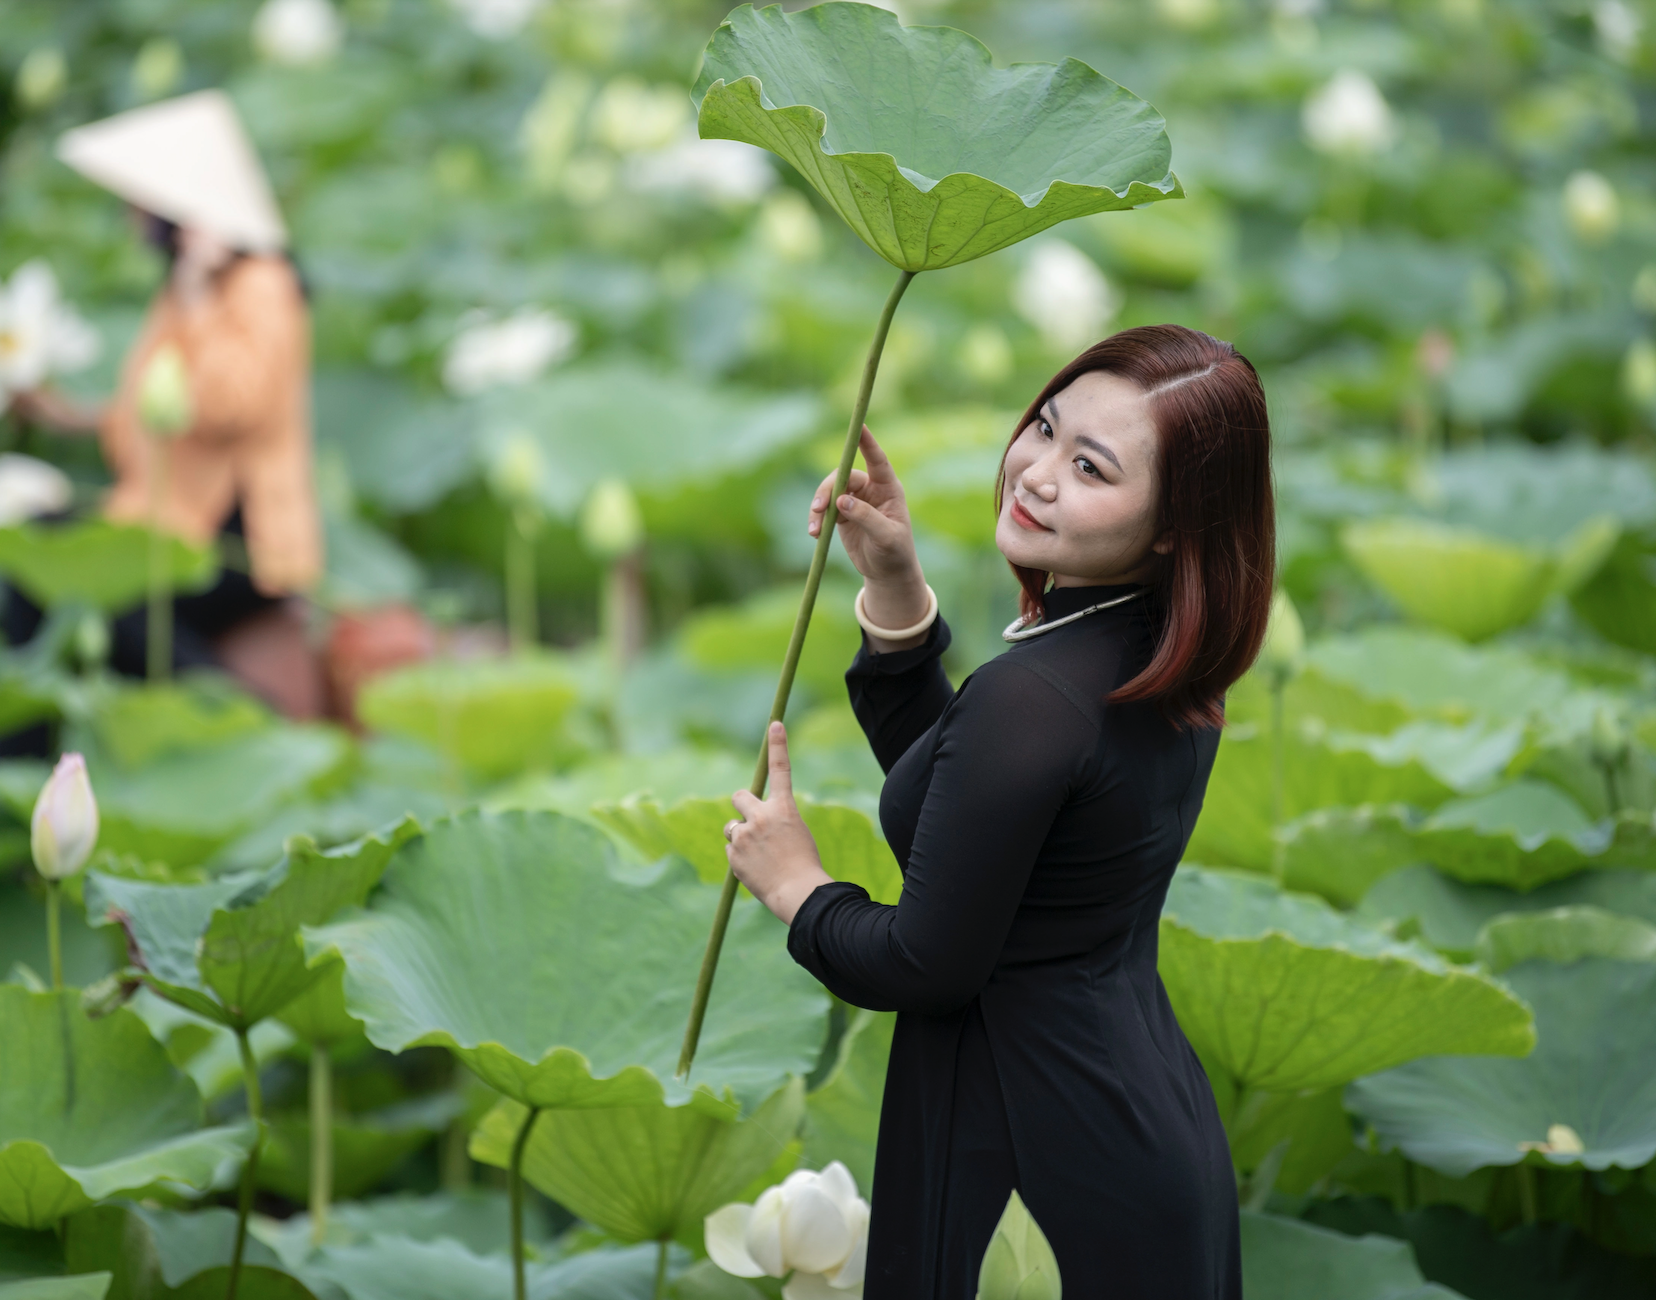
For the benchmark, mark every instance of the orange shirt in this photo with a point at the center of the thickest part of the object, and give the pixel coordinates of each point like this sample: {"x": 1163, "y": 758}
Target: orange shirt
{"x": 247, "y": 350}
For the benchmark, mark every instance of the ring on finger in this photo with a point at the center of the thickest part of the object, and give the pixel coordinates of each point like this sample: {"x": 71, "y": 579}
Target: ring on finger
{"x": 730, "y": 829}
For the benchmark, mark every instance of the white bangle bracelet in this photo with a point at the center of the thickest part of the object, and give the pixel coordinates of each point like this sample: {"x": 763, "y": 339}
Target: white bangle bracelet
{"x": 896, "y": 633}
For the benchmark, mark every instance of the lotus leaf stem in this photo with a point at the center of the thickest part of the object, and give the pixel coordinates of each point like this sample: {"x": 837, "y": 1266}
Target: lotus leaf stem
{"x": 660, "y": 1289}
{"x": 520, "y": 581}
{"x": 321, "y": 1152}
{"x": 54, "y": 933}
{"x": 250, "y": 1171}
{"x": 1526, "y": 1191}
{"x": 790, "y": 663}
{"x": 1278, "y": 781}
{"x": 514, "y": 1189}
{"x": 158, "y": 626}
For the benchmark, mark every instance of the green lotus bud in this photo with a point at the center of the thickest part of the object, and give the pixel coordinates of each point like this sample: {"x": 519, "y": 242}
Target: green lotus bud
{"x": 164, "y": 405}
{"x": 64, "y": 829}
{"x": 518, "y": 469}
{"x": 1019, "y": 1264}
{"x": 42, "y": 77}
{"x": 1608, "y": 737}
{"x": 1564, "y": 1140}
{"x": 158, "y": 68}
{"x": 1283, "y": 654}
{"x": 611, "y": 522}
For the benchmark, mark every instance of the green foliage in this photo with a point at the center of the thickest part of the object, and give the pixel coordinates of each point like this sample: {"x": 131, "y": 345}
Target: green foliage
{"x": 1282, "y": 992}
{"x": 645, "y": 1173}
{"x": 1018, "y": 1263}
{"x": 1285, "y": 1259}
{"x": 163, "y": 1255}
{"x": 533, "y": 902}
{"x": 96, "y": 563}
{"x": 91, "y": 1109}
{"x": 843, "y": 1114}
{"x": 1593, "y": 1069}
{"x": 930, "y": 153}
{"x": 83, "y": 1286}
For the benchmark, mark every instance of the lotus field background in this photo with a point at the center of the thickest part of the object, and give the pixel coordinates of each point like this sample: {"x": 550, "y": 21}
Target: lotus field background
{"x": 577, "y": 375}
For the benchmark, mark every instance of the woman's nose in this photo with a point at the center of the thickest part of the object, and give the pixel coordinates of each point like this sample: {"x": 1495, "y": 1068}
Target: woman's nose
{"x": 1037, "y": 480}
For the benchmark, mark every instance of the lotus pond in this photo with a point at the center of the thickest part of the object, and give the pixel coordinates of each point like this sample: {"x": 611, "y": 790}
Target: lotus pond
{"x": 327, "y": 982}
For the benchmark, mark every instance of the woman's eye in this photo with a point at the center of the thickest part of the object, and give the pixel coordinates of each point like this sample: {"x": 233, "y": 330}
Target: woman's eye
{"x": 1045, "y": 429}
{"x": 1087, "y": 467}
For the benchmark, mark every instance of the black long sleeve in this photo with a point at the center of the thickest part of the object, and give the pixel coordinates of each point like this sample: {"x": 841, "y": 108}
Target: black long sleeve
{"x": 1008, "y": 751}
{"x": 899, "y": 695}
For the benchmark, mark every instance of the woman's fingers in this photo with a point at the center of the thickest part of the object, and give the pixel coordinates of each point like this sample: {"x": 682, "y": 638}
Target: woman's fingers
{"x": 824, "y": 493}
{"x": 879, "y": 464}
{"x": 781, "y": 771}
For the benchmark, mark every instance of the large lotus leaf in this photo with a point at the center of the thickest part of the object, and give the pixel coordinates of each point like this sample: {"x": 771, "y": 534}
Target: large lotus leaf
{"x": 158, "y": 1254}
{"x": 1449, "y": 914}
{"x": 1430, "y": 673}
{"x": 478, "y": 1218}
{"x": 206, "y": 1050}
{"x": 667, "y": 777}
{"x": 1564, "y": 935}
{"x": 1289, "y": 1259}
{"x": 843, "y": 1115}
{"x": 1282, "y": 992}
{"x": 1311, "y": 1131}
{"x": 1619, "y": 601}
{"x": 137, "y": 724}
{"x": 1593, "y": 1070}
{"x": 1471, "y": 583}
{"x": 851, "y": 847}
{"x": 318, "y": 1016}
{"x": 367, "y": 1148}
{"x": 755, "y": 635}
{"x": 644, "y": 1173}
{"x": 650, "y": 428}
{"x": 510, "y": 939}
{"x": 229, "y": 949}
{"x": 396, "y": 1268}
{"x": 98, "y": 563}
{"x": 1422, "y": 764}
{"x": 93, "y": 1108}
{"x": 53, "y": 1286}
{"x": 1521, "y": 835}
{"x": 1339, "y": 853}
{"x": 364, "y": 807}
{"x": 930, "y": 153}
{"x": 492, "y": 716}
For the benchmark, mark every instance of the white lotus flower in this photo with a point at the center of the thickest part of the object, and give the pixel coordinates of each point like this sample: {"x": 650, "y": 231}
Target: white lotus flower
{"x": 29, "y": 488}
{"x": 1618, "y": 27}
{"x": 1062, "y": 293}
{"x": 1591, "y": 207}
{"x": 813, "y": 1226}
{"x": 491, "y": 353}
{"x": 299, "y": 33}
{"x": 631, "y": 117}
{"x": 1349, "y": 116}
{"x": 64, "y": 829}
{"x": 497, "y": 19}
{"x": 40, "y": 334}
{"x": 720, "y": 171}
{"x": 41, "y": 77}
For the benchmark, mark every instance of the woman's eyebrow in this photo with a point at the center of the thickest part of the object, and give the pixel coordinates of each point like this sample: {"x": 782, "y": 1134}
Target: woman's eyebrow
{"x": 1100, "y": 448}
{"x": 1052, "y": 406}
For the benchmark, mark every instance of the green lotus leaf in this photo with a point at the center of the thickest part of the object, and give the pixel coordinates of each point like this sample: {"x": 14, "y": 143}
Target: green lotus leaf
{"x": 1289, "y": 1259}
{"x": 843, "y": 1114}
{"x": 1421, "y": 764}
{"x": 396, "y": 1268}
{"x": 930, "y": 153}
{"x": 1521, "y": 835}
{"x": 478, "y": 1218}
{"x": 492, "y": 716}
{"x": 93, "y": 1108}
{"x": 159, "y": 1254}
{"x": 1471, "y": 583}
{"x": 667, "y": 777}
{"x": 1339, "y": 853}
{"x": 1594, "y": 1070}
{"x": 1311, "y": 1128}
{"x": 83, "y": 1286}
{"x": 1564, "y": 935}
{"x": 137, "y": 724}
{"x": 851, "y": 847}
{"x": 96, "y": 563}
{"x": 363, "y": 808}
{"x": 318, "y": 1016}
{"x": 229, "y": 949}
{"x": 644, "y": 1173}
{"x": 1282, "y": 992}
{"x": 510, "y": 939}
{"x": 205, "y": 1049}
{"x": 1449, "y": 915}
{"x": 367, "y": 1148}
{"x": 755, "y": 634}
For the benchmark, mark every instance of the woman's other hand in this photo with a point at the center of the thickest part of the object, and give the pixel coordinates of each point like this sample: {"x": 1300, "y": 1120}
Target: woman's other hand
{"x": 769, "y": 847}
{"x": 875, "y": 530}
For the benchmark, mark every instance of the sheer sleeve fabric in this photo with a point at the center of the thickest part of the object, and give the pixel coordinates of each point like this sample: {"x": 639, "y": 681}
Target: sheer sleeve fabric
{"x": 899, "y": 695}
{"x": 1009, "y": 752}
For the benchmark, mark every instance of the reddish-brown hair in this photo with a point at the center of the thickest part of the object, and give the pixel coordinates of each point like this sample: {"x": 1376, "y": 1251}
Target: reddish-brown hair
{"x": 1213, "y": 592}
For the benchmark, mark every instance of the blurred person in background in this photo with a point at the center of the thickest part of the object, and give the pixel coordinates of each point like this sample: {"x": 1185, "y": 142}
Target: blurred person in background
{"x": 234, "y": 308}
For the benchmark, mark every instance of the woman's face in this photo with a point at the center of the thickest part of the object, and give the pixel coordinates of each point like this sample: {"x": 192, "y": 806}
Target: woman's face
{"x": 1079, "y": 498}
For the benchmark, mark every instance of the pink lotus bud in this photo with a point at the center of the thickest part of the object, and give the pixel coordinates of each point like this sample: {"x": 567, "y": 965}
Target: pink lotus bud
{"x": 64, "y": 830}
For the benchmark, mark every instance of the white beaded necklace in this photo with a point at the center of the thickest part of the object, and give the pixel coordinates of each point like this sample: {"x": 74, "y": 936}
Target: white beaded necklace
{"x": 1015, "y": 630}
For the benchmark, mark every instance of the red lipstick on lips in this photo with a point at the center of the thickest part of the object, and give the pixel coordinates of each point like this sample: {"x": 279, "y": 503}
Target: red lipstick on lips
{"x": 1024, "y": 519}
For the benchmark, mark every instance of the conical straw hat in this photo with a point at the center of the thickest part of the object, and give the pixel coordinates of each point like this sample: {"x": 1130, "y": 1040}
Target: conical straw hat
{"x": 188, "y": 160}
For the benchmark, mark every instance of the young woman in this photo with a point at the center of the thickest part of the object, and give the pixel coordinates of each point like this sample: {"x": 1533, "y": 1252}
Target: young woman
{"x": 1038, "y": 813}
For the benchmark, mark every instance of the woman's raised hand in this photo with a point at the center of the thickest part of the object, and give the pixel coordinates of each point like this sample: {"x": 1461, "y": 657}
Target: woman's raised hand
{"x": 875, "y": 530}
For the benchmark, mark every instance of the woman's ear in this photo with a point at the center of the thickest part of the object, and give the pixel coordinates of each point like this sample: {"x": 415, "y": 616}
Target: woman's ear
{"x": 1163, "y": 545}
